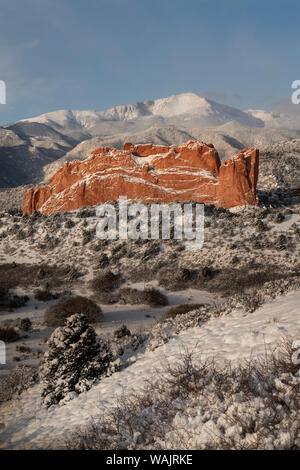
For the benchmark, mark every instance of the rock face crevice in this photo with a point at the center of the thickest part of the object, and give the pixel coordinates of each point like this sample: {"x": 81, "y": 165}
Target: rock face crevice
{"x": 150, "y": 173}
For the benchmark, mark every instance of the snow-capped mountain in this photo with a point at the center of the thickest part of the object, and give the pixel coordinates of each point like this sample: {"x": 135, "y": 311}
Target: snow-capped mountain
{"x": 31, "y": 149}
{"x": 186, "y": 105}
{"x": 189, "y": 105}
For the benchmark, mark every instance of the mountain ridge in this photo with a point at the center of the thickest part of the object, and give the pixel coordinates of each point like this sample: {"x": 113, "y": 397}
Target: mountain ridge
{"x": 32, "y": 149}
{"x": 175, "y": 105}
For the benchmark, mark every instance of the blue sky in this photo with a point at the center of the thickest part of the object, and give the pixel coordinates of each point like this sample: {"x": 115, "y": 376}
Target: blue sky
{"x": 94, "y": 54}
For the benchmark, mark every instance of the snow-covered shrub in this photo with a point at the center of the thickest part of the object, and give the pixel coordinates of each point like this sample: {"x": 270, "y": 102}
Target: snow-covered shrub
{"x": 250, "y": 301}
{"x": 127, "y": 348}
{"x": 163, "y": 331}
{"x": 179, "y": 310}
{"x": 74, "y": 361}
{"x": 122, "y": 331}
{"x": 197, "y": 405}
{"x": 58, "y": 313}
{"x": 16, "y": 382}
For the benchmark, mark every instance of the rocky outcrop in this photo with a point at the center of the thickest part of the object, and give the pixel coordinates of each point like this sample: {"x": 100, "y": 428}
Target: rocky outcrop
{"x": 150, "y": 173}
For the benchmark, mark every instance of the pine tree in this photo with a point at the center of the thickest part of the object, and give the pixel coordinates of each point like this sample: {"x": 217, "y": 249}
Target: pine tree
{"x": 73, "y": 362}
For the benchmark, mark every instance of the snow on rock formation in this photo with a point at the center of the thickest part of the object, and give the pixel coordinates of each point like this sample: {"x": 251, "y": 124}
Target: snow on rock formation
{"x": 151, "y": 173}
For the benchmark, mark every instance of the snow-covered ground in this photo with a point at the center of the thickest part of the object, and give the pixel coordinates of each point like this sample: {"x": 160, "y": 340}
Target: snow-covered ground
{"x": 137, "y": 318}
{"x": 232, "y": 337}
{"x": 235, "y": 337}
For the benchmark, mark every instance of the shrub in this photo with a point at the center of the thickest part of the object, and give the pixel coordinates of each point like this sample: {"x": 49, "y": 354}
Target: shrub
{"x": 24, "y": 275}
{"x": 250, "y": 301}
{"x": 103, "y": 261}
{"x": 17, "y": 301}
{"x": 86, "y": 212}
{"x": 21, "y": 235}
{"x": 231, "y": 281}
{"x": 44, "y": 295}
{"x": 107, "y": 298}
{"x": 144, "y": 273}
{"x": 23, "y": 349}
{"x": 150, "y": 296}
{"x": 205, "y": 273}
{"x": 105, "y": 282}
{"x": 25, "y": 324}
{"x": 154, "y": 298}
{"x": 281, "y": 242}
{"x": 199, "y": 405}
{"x": 86, "y": 237}
{"x": 3, "y": 293}
{"x": 179, "y": 310}
{"x": 9, "y": 335}
{"x": 278, "y": 218}
{"x": 174, "y": 278}
{"x": 69, "y": 223}
{"x": 122, "y": 331}
{"x": 58, "y": 313}
{"x": 18, "y": 380}
{"x": 74, "y": 361}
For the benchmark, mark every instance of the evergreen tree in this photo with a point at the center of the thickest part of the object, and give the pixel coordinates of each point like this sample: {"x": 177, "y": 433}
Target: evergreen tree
{"x": 73, "y": 362}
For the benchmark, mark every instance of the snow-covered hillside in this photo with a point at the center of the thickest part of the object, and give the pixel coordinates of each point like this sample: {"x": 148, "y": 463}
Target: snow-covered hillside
{"x": 241, "y": 310}
{"x": 230, "y": 338}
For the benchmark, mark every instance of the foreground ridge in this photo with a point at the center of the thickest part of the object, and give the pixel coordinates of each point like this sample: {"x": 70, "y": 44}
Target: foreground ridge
{"x": 150, "y": 173}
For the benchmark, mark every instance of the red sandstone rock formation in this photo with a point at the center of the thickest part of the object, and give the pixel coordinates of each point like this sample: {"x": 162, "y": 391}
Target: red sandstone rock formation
{"x": 150, "y": 173}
